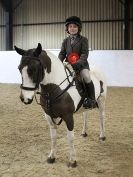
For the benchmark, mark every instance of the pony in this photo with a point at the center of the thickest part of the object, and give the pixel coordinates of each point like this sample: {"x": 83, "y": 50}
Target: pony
{"x": 59, "y": 97}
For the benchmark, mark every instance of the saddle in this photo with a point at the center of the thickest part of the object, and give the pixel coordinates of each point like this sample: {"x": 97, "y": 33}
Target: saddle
{"x": 82, "y": 89}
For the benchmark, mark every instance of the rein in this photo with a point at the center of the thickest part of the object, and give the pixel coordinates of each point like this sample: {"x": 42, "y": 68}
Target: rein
{"x": 46, "y": 96}
{"x": 50, "y": 101}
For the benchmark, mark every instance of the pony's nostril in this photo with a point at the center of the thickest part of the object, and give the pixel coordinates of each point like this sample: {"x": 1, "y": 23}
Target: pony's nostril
{"x": 29, "y": 101}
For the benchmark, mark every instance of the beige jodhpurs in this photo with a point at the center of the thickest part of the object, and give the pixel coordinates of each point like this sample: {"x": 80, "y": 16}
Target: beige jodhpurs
{"x": 85, "y": 74}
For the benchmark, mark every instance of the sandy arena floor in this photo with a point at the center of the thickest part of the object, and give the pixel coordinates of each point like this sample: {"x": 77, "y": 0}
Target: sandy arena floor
{"x": 25, "y": 139}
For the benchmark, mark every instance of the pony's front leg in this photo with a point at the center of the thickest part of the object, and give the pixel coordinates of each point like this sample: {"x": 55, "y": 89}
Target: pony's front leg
{"x": 72, "y": 162}
{"x": 53, "y": 134}
{"x": 84, "y": 130}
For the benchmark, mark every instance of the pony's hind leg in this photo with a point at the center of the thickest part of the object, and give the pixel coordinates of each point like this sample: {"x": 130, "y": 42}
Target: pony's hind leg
{"x": 101, "y": 106}
{"x": 51, "y": 156}
{"x": 84, "y": 130}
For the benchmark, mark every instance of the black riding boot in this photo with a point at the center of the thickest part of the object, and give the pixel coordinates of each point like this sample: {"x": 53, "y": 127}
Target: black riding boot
{"x": 90, "y": 101}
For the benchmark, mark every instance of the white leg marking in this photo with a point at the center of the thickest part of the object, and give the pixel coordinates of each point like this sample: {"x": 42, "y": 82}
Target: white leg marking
{"x": 101, "y": 104}
{"x": 53, "y": 135}
{"x": 85, "y": 127}
{"x": 70, "y": 136}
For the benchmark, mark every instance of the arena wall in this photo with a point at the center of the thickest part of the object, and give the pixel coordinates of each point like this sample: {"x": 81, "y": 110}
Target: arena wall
{"x": 116, "y": 64}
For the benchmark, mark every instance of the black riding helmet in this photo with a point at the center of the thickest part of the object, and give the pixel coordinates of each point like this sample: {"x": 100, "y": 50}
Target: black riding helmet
{"x": 73, "y": 20}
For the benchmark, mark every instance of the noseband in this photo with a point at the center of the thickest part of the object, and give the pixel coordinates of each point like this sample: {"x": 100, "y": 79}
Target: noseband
{"x": 28, "y": 88}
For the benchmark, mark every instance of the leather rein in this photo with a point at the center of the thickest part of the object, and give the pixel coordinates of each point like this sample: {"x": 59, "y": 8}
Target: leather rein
{"x": 50, "y": 101}
{"x": 46, "y": 96}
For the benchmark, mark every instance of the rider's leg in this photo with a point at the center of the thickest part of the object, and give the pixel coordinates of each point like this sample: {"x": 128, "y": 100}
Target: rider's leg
{"x": 90, "y": 101}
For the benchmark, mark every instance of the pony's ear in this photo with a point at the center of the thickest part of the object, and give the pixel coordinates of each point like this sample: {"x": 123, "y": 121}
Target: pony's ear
{"x": 19, "y": 51}
{"x": 38, "y": 50}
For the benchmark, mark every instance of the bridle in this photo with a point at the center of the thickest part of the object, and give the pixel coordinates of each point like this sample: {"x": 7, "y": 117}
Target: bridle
{"x": 36, "y": 84}
{"x": 50, "y": 101}
{"x": 28, "y": 88}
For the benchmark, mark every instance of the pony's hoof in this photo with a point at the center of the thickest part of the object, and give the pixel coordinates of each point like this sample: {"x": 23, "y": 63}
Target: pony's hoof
{"x": 84, "y": 135}
{"x": 50, "y": 160}
{"x": 72, "y": 165}
{"x": 102, "y": 138}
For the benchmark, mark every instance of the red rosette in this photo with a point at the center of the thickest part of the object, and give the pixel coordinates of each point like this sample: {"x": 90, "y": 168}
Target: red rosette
{"x": 73, "y": 58}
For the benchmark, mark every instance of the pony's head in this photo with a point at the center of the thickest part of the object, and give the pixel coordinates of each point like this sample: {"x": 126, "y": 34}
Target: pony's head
{"x": 32, "y": 72}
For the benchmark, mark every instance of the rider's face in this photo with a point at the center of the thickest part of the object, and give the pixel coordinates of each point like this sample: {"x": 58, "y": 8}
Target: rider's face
{"x": 72, "y": 29}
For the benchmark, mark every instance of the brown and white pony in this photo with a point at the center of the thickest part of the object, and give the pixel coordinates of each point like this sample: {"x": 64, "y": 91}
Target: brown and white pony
{"x": 59, "y": 97}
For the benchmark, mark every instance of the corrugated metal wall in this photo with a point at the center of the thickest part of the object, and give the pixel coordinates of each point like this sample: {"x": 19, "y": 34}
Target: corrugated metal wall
{"x": 2, "y": 29}
{"x": 43, "y": 21}
{"x": 34, "y": 24}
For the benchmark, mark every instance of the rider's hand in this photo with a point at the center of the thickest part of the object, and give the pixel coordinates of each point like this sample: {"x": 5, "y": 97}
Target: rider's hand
{"x": 76, "y": 66}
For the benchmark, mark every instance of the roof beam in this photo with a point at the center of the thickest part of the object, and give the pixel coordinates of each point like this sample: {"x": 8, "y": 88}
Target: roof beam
{"x": 126, "y": 24}
{"x": 7, "y": 5}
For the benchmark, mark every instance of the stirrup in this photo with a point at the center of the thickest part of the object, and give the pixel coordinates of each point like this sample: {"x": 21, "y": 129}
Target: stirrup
{"x": 89, "y": 103}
